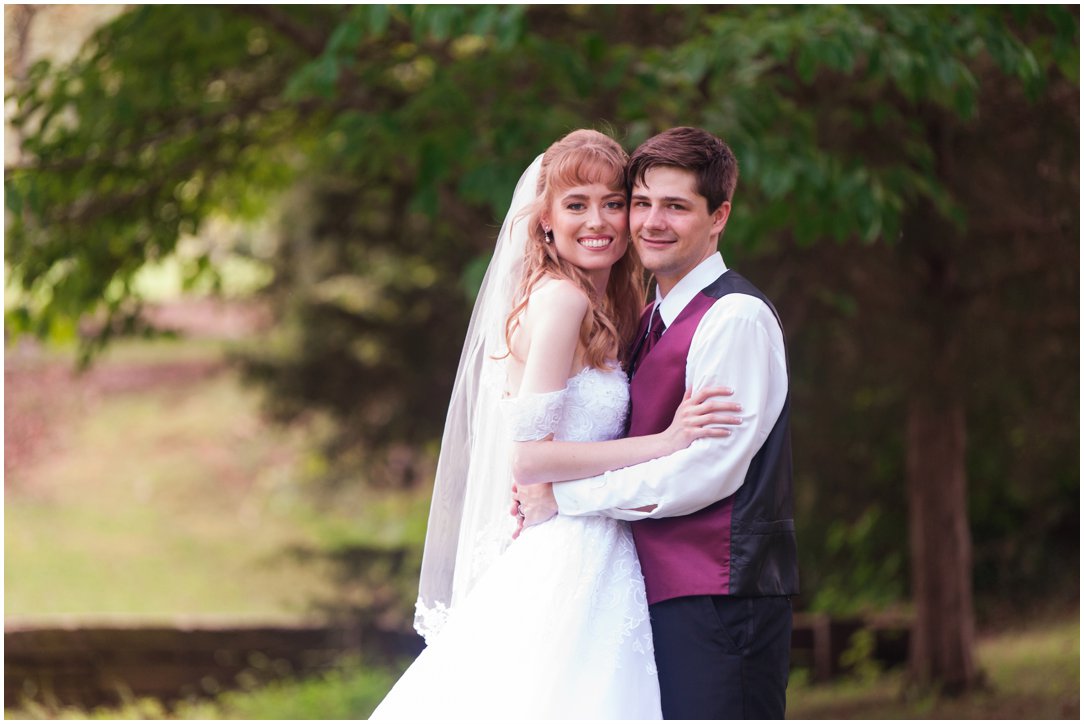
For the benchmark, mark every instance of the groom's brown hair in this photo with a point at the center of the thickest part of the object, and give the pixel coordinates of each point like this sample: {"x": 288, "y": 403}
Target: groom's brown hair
{"x": 691, "y": 149}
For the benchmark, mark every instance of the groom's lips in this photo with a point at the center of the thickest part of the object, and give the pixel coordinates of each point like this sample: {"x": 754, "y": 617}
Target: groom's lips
{"x": 656, "y": 242}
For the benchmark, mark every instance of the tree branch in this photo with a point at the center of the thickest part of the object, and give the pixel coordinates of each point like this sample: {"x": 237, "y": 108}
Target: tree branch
{"x": 306, "y": 38}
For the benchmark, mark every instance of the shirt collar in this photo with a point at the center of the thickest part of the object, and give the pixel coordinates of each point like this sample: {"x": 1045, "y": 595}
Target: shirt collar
{"x": 688, "y": 287}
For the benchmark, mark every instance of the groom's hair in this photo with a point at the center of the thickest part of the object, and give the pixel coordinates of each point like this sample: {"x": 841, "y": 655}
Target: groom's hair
{"x": 691, "y": 149}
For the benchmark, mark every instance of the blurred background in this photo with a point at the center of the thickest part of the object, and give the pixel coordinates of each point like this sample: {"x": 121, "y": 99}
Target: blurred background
{"x": 241, "y": 247}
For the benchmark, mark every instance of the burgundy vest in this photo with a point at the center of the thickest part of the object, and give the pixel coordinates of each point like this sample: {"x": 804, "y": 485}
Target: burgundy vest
{"x": 742, "y": 545}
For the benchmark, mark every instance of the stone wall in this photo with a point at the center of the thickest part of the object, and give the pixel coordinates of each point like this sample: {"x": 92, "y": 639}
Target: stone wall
{"x": 95, "y": 665}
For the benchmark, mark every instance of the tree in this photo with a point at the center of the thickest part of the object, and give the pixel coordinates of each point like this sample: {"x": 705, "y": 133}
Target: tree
{"x": 866, "y": 126}
{"x": 817, "y": 94}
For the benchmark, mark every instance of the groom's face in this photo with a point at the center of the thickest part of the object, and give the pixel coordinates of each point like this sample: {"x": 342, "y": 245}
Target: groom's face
{"x": 671, "y": 226}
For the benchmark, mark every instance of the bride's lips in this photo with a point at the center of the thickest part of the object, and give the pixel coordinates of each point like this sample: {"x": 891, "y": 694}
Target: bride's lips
{"x": 595, "y": 243}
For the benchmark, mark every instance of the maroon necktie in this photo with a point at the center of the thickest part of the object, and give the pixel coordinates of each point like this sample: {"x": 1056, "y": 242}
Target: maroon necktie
{"x": 654, "y": 332}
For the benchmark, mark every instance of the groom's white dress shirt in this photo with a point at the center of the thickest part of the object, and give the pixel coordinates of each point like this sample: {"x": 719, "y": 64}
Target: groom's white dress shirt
{"x": 738, "y": 344}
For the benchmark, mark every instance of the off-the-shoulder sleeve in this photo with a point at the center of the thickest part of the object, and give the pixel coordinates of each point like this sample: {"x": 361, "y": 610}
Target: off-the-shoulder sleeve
{"x": 533, "y": 416}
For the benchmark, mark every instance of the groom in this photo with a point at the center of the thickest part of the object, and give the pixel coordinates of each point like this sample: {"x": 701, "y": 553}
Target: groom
{"x": 713, "y": 523}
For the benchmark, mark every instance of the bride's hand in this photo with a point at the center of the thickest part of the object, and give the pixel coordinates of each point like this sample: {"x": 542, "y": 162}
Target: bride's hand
{"x": 699, "y": 415}
{"x": 532, "y": 504}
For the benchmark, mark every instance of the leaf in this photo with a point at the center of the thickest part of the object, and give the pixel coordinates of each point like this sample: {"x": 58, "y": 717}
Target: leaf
{"x": 346, "y": 37}
{"x": 379, "y": 19}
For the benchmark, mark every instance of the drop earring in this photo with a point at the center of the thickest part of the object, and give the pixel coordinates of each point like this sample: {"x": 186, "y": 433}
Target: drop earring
{"x": 548, "y": 234}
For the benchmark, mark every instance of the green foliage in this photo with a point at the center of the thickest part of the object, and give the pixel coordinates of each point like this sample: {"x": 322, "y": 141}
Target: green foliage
{"x": 809, "y": 96}
{"x": 128, "y": 148}
{"x": 862, "y": 567}
{"x": 125, "y": 151}
{"x": 858, "y": 657}
{"x": 350, "y": 692}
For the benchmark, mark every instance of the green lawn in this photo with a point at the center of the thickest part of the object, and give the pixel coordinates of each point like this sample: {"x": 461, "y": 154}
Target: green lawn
{"x": 1032, "y": 673}
{"x": 172, "y": 500}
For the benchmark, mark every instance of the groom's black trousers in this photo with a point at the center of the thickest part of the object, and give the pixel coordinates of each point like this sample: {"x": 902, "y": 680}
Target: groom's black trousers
{"x": 722, "y": 657}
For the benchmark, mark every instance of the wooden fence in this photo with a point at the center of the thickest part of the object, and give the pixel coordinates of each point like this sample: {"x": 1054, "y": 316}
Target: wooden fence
{"x": 92, "y": 664}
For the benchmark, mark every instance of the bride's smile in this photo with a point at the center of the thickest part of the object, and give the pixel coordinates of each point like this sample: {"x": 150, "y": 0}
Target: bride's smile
{"x": 590, "y": 225}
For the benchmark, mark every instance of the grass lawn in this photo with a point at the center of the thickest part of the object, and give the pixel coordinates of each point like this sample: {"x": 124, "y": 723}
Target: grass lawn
{"x": 1032, "y": 673}
{"x": 164, "y": 499}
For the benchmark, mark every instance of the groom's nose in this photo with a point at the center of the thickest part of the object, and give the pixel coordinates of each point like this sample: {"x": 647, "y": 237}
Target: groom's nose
{"x": 655, "y": 218}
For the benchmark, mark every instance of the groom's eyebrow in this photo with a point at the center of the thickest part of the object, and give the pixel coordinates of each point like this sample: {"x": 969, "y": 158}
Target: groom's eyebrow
{"x": 664, "y": 199}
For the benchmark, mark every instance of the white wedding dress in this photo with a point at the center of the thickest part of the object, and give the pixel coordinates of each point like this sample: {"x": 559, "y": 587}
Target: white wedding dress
{"x": 557, "y": 627}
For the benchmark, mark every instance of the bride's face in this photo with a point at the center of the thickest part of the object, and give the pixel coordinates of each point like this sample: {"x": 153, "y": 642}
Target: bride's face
{"x": 590, "y": 225}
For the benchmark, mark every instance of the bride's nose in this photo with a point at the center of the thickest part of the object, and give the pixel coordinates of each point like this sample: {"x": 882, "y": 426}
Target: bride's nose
{"x": 594, "y": 218}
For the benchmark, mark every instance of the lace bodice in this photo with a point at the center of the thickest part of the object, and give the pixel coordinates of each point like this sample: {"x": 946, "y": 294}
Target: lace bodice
{"x": 593, "y": 407}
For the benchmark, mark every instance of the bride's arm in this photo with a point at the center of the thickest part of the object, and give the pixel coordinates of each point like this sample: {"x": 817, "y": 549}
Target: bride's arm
{"x": 549, "y": 461}
{"x": 554, "y": 316}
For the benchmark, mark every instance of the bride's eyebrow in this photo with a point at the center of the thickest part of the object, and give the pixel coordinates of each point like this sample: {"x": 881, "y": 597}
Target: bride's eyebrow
{"x": 584, "y": 197}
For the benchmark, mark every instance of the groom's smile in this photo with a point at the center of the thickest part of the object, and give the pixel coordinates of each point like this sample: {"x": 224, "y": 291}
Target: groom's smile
{"x": 671, "y": 225}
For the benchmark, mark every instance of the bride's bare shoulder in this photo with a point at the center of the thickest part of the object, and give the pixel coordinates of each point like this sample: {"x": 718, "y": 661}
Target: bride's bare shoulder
{"x": 559, "y": 295}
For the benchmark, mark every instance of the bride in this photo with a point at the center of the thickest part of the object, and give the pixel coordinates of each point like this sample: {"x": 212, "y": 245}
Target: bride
{"x": 553, "y": 625}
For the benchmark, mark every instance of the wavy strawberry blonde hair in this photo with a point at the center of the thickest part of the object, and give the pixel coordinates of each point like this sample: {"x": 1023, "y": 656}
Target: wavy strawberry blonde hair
{"x": 581, "y": 158}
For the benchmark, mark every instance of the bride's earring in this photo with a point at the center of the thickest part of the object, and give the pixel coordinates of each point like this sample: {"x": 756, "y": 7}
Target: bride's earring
{"x": 549, "y": 234}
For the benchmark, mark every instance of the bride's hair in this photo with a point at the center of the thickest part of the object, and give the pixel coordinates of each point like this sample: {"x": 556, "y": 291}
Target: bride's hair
{"x": 581, "y": 158}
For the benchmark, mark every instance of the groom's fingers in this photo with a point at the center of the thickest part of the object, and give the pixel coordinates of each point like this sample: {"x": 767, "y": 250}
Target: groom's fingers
{"x": 715, "y": 418}
{"x": 706, "y": 431}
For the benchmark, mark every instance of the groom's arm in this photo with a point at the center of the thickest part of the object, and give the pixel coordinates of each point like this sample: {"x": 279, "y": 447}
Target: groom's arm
{"x": 738, "y": 343}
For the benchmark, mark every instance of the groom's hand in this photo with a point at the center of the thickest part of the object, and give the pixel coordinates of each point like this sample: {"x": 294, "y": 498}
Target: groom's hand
{"x": 533, "y": 504}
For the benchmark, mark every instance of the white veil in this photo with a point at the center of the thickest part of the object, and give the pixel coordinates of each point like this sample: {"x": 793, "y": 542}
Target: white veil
{"x": 469, "y": 521}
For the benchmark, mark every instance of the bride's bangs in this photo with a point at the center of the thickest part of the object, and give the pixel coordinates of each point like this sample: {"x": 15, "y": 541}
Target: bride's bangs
{"x": 588, "y": 165}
